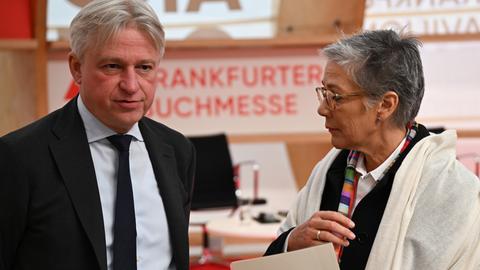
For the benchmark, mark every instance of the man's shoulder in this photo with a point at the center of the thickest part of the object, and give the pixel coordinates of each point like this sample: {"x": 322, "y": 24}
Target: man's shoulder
{"x": 43, "y": 127}
{"x": 166, "y": 133}
{"x": 37, "y": 134}
{"x": 32, "y": 132}
{"x": 158, "y": 127}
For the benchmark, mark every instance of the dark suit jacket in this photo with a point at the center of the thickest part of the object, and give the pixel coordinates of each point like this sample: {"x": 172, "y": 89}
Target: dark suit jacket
{"x": 50, "y": 212}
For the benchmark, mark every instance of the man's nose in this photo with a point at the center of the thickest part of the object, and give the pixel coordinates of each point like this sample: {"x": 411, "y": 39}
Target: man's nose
{"x": 129, "y": 80}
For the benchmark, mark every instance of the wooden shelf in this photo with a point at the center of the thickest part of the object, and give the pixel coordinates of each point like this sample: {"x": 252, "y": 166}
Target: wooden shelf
{"x": 296, "y": 42}
{"x": 61, "y": 45}
{"x": 230, "y": 43}
{"x": 299, "y": 41}
{"x": 322, "y": 137}
{"x": 18, "y": 44}
{"x": 468, "y": 133}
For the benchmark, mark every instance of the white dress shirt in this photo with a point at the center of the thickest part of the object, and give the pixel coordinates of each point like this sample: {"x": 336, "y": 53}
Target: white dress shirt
{"x": 153, "y": 241}
{"x": 368, "y": 180}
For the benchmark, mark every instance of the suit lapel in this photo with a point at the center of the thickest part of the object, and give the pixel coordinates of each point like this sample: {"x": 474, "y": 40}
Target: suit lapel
{"x": 72, "y": 155}
{"x": 164, "y": 165}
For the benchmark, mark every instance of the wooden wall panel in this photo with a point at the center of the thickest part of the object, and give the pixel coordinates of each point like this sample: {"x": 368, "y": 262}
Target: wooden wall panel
{"x": 17, "y": 90}
{"x": 23, "y": 65}
{"x": 304, "y": 150}
{"x": 303, "y": 157}
{"x": 312, "y": 18}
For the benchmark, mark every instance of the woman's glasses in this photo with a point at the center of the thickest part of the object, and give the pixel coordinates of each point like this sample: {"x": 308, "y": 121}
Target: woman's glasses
{"x": 332, "y": 98}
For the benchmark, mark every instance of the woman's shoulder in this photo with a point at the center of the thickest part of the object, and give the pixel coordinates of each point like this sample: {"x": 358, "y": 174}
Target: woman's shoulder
{"x": 439, "y": 167}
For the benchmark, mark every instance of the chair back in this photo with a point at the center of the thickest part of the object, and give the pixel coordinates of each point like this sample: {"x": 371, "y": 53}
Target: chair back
{"x": 214, "y": 186}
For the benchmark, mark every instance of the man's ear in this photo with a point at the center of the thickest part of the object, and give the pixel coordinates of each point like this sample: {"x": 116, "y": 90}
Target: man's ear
{"x": 387, "y": 105}
{"x": 75, "y": 67}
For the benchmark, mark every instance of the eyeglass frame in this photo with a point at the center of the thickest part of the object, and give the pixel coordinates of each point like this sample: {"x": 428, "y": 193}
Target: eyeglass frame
{"x": 322, "y": 94}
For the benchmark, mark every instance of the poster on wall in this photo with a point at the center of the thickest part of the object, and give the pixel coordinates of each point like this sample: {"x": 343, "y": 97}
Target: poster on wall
{"x": 239, "y": 19}
{"x": 256, "y": 95}
{"x": 185, "y": 19}
{"x": 275, "y": 94}
{"x": 432, "y": 17}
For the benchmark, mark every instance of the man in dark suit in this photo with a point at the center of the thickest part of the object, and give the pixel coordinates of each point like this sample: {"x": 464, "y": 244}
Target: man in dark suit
{"x": 59, "y": 199}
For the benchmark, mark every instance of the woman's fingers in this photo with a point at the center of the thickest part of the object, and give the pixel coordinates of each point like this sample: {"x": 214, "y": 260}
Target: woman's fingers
{"x": 323, "y": 236}
{"x": 323, "y": 226}
{"x": 332, "y": 227}
{"x": 335, "y": 216}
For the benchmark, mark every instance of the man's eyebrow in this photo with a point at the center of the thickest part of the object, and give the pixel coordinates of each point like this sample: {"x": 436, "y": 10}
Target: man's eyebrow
{"x": 120, "y": 60}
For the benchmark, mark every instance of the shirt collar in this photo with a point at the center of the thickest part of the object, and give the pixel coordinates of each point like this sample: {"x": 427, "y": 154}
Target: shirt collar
{"x": 378, "y": 172}
{"x": 96, "y": 130}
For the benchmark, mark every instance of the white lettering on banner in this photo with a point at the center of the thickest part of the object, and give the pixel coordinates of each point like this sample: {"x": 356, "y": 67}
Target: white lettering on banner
{"x": 400, "y": 5}
{"x": 424, "y": 17}
{"x": 432, "y": 25}
{"x": 185, "y": 18}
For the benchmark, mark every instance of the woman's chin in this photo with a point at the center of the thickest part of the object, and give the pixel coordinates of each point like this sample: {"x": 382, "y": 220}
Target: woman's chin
{"x": 339, "y": 143}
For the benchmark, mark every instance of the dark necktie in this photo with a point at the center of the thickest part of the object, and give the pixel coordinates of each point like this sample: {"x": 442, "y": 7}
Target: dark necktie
{"x": 124, "y": 230}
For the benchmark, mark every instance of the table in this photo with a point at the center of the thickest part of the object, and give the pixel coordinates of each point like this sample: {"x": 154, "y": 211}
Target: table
{"x": 247, "y": 228}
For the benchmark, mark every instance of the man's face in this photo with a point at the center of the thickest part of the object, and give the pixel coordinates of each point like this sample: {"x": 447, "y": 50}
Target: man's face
{"x": 118, "y": 80}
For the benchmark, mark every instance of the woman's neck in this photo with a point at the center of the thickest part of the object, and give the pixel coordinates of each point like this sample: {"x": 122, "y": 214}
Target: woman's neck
{"x": 382, "y": 146}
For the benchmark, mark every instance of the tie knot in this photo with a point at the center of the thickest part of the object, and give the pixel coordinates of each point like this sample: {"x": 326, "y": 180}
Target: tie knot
{"x": 121, "y": 142}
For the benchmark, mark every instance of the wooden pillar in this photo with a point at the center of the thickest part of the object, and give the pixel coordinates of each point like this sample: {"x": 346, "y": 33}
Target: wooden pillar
{"x": 17, "y": 100}
{"x": 40, "y": 35}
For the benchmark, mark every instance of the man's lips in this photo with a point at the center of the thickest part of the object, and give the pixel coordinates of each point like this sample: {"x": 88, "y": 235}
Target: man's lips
{"x": 128, "y": 104}
{"x": 127, "y": 101}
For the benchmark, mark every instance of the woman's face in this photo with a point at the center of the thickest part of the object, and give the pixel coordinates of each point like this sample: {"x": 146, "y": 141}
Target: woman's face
{"x": 350, "y": 122}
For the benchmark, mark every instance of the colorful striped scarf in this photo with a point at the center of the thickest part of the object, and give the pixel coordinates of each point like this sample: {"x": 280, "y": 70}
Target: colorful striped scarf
{"x": 349, "y": 190}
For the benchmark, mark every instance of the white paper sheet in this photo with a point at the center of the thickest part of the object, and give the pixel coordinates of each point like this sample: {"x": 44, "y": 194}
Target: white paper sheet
{"x": 320, "y": 257}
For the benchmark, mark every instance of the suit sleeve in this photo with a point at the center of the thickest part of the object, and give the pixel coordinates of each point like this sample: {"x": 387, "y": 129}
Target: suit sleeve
{"x": 14, "y": 193}
{"x": 277, "y": 246}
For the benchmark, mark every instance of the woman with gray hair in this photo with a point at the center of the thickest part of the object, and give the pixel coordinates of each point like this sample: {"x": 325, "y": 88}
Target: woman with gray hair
{"x": 390, "y": 195}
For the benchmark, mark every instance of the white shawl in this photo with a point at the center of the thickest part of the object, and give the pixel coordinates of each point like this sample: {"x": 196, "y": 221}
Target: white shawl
{"x": 432, "y": 217}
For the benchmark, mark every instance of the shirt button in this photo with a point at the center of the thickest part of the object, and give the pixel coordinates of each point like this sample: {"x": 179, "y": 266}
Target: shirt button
{"x": 362, "y": 238}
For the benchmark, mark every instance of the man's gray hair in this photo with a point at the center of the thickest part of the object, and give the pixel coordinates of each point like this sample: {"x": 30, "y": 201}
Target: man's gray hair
{"x": 380, "y": 61}
{"x": 101, "y": 20}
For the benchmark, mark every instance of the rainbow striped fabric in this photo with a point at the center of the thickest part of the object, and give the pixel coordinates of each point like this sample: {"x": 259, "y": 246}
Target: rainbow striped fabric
{"x": 349, "y": 190}
{"x": 347, "y": 198}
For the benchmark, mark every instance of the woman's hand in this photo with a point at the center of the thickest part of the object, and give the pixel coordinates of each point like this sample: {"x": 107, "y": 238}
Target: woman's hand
{"x": 323, "y": 226}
